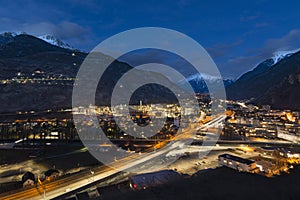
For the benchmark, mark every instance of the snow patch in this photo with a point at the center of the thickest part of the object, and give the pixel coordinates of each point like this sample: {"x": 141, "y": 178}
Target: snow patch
{"x": 54, "y": 41}
{"x": 204, "y": 77}
{"x": 200, "y": 77}
{"x": 279, "y": 55}
{"x": 13, "y": 34}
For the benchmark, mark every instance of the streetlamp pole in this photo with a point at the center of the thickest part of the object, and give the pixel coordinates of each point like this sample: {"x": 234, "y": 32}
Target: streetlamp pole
{"x": 44, "y": 192}
{"x": 43, "y": 186}
{"x": 92, "y": 172}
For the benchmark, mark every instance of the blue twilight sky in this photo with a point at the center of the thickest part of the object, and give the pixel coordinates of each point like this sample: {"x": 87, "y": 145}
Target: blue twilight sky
{"x": 237, "y": 34}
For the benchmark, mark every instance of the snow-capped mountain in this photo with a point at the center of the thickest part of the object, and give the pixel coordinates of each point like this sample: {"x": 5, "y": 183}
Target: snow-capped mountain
{"x": 8, "y": 36}
{"x": 12, "y": 34}
{"x": 274, "y": 82}
{"x": 54, "y": 41}
{"x": 198, "y": 82}
{"x": 200, "y": 77}
{"x": 279, "y": 55}
{"x": 268, "y": 63}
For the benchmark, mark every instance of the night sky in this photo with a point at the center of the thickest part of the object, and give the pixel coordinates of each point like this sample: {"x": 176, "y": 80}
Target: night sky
{"x": 237, "y": 34}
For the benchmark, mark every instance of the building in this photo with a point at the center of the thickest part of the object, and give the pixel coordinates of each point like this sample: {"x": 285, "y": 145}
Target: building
{"x": 289, "y": 153}
{"x": 287, "y": 135}
{"x": 51, "y": 174}
{"x": 268, "y": 151}
{"x": 28, "y": 179}
{"x": 238, "y": 163}
{"x": 153, "y": 179}
{"x": 267, "y": 167}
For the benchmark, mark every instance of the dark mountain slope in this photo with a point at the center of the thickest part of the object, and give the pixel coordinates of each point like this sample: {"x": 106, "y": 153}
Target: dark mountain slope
{"x": 276, "y": 85}
{"x": 36, "y": 75}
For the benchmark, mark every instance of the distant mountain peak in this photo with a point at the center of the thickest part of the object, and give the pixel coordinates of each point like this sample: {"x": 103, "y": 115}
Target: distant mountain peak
{"x": 198, "y": 77}
{"x": 55, "y": 41}
{"x": 206, "y": 77}
{"x": 279, "y": 55}
{"x": 13, "y": 34}
{"x": 8, "y": 36}
{"x": 198, "y": 82}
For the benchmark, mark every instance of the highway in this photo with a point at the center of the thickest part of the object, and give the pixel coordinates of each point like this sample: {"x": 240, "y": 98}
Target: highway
{"x": 67, "y": 184}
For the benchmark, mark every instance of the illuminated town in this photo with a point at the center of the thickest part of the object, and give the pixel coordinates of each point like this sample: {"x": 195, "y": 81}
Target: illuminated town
{"x": 156, "y": 100}
{"x": 254, "y": 140}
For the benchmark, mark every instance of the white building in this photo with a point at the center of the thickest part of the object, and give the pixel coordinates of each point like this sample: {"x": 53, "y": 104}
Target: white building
{"x": 284, "y": 134}
{"x": 238, "y": 163}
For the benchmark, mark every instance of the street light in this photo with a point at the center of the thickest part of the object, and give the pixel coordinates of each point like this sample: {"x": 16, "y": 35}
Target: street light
{"x": 92, "y": 172}
{"x": 43, "y": 186}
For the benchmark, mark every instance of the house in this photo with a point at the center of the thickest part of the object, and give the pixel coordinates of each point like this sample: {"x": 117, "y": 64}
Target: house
{"x": 238, "y": 163}
{"x": 51, "y": 174}
{"x": 289, "y": 153}
{"x": 28, "y": 179}
{"x": 153, "y": 179}
{"x": 268, "y": 151}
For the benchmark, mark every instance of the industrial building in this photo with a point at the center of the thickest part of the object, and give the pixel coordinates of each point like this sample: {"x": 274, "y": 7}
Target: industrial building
{"x": 238, "y": 163}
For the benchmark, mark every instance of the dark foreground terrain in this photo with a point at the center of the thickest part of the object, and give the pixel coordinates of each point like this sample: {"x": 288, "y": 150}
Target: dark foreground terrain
{"x": 222, "y": 183}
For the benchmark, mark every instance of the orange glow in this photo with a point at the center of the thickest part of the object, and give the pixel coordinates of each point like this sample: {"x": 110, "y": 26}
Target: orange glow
{"x": 290, "y": 117}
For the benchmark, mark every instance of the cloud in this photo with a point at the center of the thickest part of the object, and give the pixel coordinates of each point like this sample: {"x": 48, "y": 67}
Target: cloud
{"x": 261, "y": 25}
{"x": 114, "y": 24}
{"x": 183, "y": 3}
{"x": 248, "y": 18}
{"x": 139, "y": 57}
{"x": 287, "y": 42}
{"x": 239, "y": 65}
{"x": 70, "y": 32}
{"x": 219, "y": 50}
{"x": 64, "y": 30}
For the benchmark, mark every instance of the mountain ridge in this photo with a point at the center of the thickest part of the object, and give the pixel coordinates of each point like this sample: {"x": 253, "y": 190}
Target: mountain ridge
{"x": 198, "y": 82}
{"x": 270, "y": 83}
{"x": 275, "y": 81}
{"x": 55, "y": 41}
